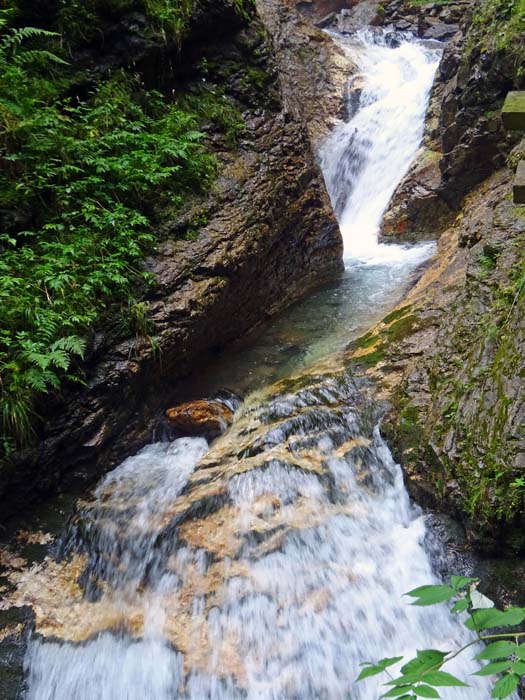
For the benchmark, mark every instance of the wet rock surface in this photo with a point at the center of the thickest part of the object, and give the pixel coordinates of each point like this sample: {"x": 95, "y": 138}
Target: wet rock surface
{"x": 206, "y": 418}
{"x": 313, "y": 70}
{"x": 265, "y": 235}
{"x": 363, "y": 14}
{"x": 451, "y": 358}
{"x": 205, "y": 534}
{"x": 276, "y": 485}
{"x": 452, "y": 554}
{"x": 464, "y": 140}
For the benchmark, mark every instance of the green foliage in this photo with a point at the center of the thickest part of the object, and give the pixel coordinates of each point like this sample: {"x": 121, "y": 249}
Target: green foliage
{"x": 374, "y": 669}
{"x": 78, "y": 190}
{"x": 172, "y": 16}
{"x": 423, "y": 675}
{"x": 81, "y": 20}
{"x": 139, "y": 321}
{"x": 210, "y": 104}
{"x": 498, "y": 25}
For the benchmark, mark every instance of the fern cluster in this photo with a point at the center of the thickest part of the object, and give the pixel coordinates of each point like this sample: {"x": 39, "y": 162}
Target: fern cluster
{"x": 78, "y": 185}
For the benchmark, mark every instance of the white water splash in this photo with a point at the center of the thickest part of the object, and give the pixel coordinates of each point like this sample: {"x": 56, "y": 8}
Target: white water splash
{"x": 137, "y": 494}
{"x": 303, "y": 616}
{"x": 365, "y": 158}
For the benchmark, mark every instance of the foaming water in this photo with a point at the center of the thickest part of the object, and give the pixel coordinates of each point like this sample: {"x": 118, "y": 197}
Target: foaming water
{"x": 271, "y": 564}
{"x": 107, "y": 669}
{"x": 272, "y": 580}
{"x": 365, "y": 158}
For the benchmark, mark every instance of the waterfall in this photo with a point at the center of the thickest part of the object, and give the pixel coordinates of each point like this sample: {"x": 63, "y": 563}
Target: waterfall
{"x": 269, "y": 576}
{"x": 270, "y": 564}
{"x": 365, "y": 158}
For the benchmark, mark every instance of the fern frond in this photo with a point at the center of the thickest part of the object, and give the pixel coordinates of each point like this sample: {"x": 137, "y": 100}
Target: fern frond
{"x": 73, "y": 344}
{"x": 39, "y": 57}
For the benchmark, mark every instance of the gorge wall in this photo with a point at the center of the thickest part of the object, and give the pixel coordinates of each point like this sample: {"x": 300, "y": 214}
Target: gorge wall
{"x": 262, "y": 237}
{"x": 449, "y": 358}
{"x": 464, "y": 138}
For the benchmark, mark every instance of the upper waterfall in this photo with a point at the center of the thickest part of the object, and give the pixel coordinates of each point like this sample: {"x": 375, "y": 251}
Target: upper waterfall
{"x": 365, "y": 158}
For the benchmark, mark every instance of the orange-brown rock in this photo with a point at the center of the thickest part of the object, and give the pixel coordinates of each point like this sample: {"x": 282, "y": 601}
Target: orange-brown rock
{"x": 202, "y": 417}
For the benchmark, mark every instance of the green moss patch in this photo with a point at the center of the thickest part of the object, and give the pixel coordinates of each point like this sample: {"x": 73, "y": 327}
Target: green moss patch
{"x": 371, "y": 358}
{"x": 366, "y": 341}
{"x": 397, "y": 314}
{"x": 401, "y": 328}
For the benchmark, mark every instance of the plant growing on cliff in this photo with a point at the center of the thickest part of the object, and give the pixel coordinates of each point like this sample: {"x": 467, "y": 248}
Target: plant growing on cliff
{"x": 422, "y": 676}
{"x": 498, "y": 25}
{"x": 80, "y": 182}
{"x": 81, "y": 20}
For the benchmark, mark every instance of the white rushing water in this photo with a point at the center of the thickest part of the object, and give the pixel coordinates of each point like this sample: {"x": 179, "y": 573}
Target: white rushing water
{"x": 303, "y": 578}
{"x": 301, "y": 617}
{"x": 365, "y": 158}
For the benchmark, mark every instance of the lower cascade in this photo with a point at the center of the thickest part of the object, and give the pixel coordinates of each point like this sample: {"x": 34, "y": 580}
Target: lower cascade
{"x": 271, "y": 563}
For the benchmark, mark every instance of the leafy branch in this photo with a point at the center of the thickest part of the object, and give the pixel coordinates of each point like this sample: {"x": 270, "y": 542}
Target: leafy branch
{"x": 423, "y": 675}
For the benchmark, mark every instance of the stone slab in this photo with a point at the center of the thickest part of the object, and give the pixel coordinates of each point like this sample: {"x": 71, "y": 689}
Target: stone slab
{"x": 513, "y": 111}
{"x": 519, "y": 184}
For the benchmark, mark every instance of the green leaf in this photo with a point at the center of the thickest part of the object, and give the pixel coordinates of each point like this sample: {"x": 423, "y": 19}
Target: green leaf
{"x": 497, "y": 650}
{"x": 458, "y": 582}
{"x": 426, "y": 691}
{"x": 384, "y": 663}
{"x": 460, "y": 606}
{"x": 494, "y": 667}
{"x": 379, "y": 667}
{"x": 430, "y": 595}
{"x": 487, "y": 618}
{"x": 404, "y": 679}
{"x": 441, "y": 678}
{"x": 519, "y": 667}
{"x": 370, "y": 671}
{"x": 505, "y": 686}
{"x": 396, "y": 692}
{"x": 426, "y": 659}
{"x": 520, "y": 652}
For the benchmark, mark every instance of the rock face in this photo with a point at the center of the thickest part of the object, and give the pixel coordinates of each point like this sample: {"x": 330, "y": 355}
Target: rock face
{"x": 313, "y": 70}
{"x": 364, "y": 13}
{"x": 450, "y": 358}
{"x": 464, "y": 140}
{"x": 265, "y": 235}
{"x": 452, "y": 361}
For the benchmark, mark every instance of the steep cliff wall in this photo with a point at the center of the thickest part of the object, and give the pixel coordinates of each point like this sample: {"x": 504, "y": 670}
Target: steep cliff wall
{"x": 450, "y": 358}
{"x": 313, "y": 70}
{"x": 451, "y": 361}
{"x": 261, "y": 237}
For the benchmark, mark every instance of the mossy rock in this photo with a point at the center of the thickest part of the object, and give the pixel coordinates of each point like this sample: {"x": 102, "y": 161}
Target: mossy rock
{"x": 401, "y": 328}
{"x": 396, "y": 314}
